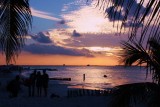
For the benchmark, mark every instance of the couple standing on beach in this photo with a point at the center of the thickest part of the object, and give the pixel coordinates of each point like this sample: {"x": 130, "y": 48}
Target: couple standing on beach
{"x": 39, "y": 81}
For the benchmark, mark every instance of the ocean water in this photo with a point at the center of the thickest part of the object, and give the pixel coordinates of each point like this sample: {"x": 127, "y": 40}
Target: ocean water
{"x": 94, "y": 75}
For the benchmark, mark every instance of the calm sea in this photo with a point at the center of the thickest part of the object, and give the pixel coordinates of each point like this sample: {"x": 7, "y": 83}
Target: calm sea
{"x": 94, "y": 75}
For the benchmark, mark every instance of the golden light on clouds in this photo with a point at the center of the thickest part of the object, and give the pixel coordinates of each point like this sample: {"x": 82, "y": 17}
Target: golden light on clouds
{"x": 105, "y": 51}
{"x": 59, "y": 36}
{"x": 97, "y": 49}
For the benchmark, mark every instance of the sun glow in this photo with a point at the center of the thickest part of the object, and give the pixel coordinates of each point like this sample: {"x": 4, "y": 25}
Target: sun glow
{"x": 106, "y": 51}
{"x": 59, "y": 37}
{"x": 89, "y": 23}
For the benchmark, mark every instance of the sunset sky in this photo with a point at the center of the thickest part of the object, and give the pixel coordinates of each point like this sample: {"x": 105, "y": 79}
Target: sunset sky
{"x": 70, "y": 32}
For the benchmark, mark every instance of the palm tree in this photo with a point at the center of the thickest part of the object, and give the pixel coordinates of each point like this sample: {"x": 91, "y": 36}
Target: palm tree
{"x": 135, "y": 53}
{"x": 132, "y": 94}
{"x": 145, "y": 15}
{"x": 15, "y": 20}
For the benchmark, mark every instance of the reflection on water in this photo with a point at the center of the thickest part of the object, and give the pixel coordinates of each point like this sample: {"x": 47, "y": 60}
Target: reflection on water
{"x": 94, "y": 75}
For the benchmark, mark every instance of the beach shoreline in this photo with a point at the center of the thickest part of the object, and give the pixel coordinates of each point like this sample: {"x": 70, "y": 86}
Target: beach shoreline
{"x": 23, "y": 100}
{"x": 72, "y": 93}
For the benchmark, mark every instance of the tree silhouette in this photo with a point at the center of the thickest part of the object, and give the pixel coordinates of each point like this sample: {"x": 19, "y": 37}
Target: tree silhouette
{"x": 136, "y": 53}
{"x": 145, "y": 16}
{"x": 132, "y": 94}
{"x": 144, "y": 21}
{"x": 15, "y": 20}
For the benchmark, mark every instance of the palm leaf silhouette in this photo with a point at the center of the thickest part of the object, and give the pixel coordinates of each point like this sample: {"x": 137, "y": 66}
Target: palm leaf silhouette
{"x": 133, "y": 53}
{"x": 148, "y": 17}
{"x": 15, "y": 20}
{"x": 155, "y": 56}
{"x": 132, "y": 94}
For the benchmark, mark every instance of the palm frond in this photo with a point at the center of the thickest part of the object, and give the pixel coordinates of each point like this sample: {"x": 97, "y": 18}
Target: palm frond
{"x": 133, "y": 53}
{"x": 154, "y": 53}
{"x": 148, "y": 16}
{"x": 15, "y": 21}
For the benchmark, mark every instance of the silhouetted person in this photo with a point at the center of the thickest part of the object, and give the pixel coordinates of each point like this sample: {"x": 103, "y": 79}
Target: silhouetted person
{"x": 39, "y": 83}
{"x": 32, "y": 80}
{"x": 45, "y": 79}
{"x": 14, "y": 86}
{"x": 84, "y": 77}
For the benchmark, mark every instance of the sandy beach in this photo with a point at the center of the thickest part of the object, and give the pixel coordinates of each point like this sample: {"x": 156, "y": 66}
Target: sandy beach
{"x": 23, "y": 100}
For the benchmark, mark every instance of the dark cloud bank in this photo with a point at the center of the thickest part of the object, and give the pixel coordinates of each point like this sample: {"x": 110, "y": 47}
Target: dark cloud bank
{"x": 46, "y": 46}
{"x": 42, "y": 37}
{"x": 55, "y": 50}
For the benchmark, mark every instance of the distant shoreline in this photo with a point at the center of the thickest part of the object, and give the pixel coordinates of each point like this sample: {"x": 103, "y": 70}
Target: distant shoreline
{"x": 83, "y": 65}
